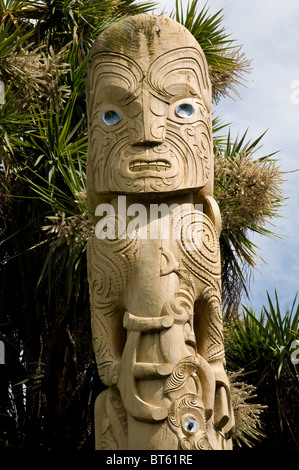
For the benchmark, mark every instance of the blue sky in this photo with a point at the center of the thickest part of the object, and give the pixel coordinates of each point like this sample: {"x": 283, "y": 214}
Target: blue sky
{"x": 268, "y": 31}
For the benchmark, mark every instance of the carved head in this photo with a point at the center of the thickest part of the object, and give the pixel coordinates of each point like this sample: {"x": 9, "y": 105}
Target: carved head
{"x": 149, "y": 110}
{"x": 187, "y": 420}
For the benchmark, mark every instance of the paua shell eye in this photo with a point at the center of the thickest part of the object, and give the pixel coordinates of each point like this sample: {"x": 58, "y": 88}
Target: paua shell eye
{"x": 111, "y": 117}
{"x": 190, "y": 424}
{"x": 185, "y": 110}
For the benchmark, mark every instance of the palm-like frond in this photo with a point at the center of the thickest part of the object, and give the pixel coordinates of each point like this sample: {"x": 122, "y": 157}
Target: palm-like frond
{"x": 53, "y": 167}
{"x": 247, "y": 413}
{"x": 10, "y": 39}
{"x": 249, "y": 194}
{"x": 260, "y": 343}
{"x": 255, "y": 339}
{"x": 58, "y": 22}
{"x": 135, "y": 7}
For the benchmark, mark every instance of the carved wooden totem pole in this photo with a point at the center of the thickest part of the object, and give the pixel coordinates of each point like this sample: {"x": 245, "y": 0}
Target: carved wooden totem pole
{"x": 155, "y": 290}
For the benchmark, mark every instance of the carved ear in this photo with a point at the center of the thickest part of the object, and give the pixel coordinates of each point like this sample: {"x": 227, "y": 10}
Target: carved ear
{"x": 211, "y": 209}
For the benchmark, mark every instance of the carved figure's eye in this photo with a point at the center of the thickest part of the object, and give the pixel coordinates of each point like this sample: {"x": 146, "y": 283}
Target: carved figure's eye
{"x": 190, "y": 424}
{"x": 185, "y": 110}
{"x": 111, "y": 117}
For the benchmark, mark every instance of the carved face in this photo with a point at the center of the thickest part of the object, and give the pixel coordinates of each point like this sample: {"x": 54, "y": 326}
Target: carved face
{"x": 149, "y": 119}
{"x": 187, "y": 420}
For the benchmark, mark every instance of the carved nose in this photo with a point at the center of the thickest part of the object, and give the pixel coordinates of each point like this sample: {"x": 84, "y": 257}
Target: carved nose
{"x": 149, "y": 126}
{"x": 148, "y": 129}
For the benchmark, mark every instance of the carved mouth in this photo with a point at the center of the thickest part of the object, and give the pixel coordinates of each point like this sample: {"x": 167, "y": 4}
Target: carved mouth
{"x": 143, "y": 165}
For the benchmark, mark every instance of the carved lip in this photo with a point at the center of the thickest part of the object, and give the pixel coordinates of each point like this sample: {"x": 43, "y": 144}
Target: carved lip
{"x": 159, "y": 166}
